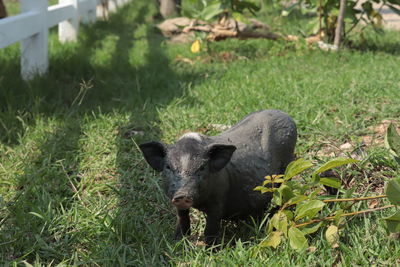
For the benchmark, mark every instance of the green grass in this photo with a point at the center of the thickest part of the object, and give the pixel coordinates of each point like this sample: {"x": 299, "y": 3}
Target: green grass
{"x": 13, "y": 6}
{"x": 75, "y": 190}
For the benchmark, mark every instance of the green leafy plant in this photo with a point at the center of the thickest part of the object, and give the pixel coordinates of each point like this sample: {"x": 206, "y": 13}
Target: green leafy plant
{"x": 303, "y": 210}
{"x": 325, "y": 14}
{"x": 392, "y": 142}
{"x": 209, "y": 9}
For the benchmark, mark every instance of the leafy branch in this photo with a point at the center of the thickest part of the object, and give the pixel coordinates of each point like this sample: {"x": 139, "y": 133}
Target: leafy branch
{"x": 330, "y": 218}
{"x": 353, "y": 199}
{"x": 301, "y": 206}
{"x": 327, "y": 13}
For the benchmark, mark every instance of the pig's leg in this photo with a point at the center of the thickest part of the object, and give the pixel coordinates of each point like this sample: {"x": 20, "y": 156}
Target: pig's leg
{"x": 213, "y": 225}
{"x": 183, "y": 227}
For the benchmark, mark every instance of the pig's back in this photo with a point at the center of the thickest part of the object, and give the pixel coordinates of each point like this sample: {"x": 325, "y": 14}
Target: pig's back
{"x": 265, "y": 142}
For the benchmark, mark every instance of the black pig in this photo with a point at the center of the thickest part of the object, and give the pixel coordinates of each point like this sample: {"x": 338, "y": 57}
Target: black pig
{"x": 217, "y": 174}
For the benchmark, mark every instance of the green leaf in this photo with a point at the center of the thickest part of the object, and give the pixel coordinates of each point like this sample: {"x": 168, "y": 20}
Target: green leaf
{"x": 281, "y": 222}
{"x": 273, "y": 240}
{"x": 296, "y": 167}
{"x": 334, "y": 163}
{"x": 309, "y": 208}
{"x": 270, "y": 225}
{"x": 331, "y": 182}
{"x": 338, "y": 216}
{"x": 311, "y": 229}
{"x": 314, "y": 193}
{"x": 297, "y": 186}
{"x": 258, "y": 188}
{"x": 274, "y": 220}
{"x": 367, "y": 6}
{"x": 393, "y": 222}
{"x": 297, "y": 199}
{"x": 277, "y": 198}
{"x": 239, "y": 17}
{"x": 286, "y": 193}
{"x": 332, "y": 234}
{"x": 286, "y": 12}
{"x": 37, "y": 215}
{"x": 312, "y": 27}
{"x": 289, "y": 214}
{"x": 393, "y": 191}
{"x": 239, "y": 6}
{"x": 351, "y": 13}
{"x": 264, "y": 189}
{"x": 273, "y": 179}
{"x": 211, "y": 11}
{"x": 297, "y": 239}
{"x": 392, "y": 140}
{"x": 267, "y": 182}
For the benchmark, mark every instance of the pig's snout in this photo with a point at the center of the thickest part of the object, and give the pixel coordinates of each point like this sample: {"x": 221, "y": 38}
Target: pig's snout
{"x": 182, "y": 202}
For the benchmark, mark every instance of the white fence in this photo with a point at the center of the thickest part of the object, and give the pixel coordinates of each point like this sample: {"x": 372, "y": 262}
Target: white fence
{"x": 31, "y": 27}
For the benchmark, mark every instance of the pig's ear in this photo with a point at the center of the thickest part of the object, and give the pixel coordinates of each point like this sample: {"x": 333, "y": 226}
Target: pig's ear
{"x": 154, "y": 153}
{"x": 219, "y": 155}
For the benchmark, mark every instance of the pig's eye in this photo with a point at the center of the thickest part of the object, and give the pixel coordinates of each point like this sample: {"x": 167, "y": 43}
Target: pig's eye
{"x": 168, "y": 167}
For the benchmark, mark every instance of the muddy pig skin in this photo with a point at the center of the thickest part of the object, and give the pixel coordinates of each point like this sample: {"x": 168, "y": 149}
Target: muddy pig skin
{"x": 217, "y": 174}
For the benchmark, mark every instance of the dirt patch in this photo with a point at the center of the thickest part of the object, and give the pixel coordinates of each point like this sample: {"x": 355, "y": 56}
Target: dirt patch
{"x": 376, "y": 138}
{"x": 379, "y": 131}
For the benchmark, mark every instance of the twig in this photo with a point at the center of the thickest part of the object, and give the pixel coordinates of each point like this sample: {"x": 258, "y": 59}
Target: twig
{"x": 200, "y": 28}
{"x": 353, "y": 199}
{"x": 343, "y": 215}
{"x": 320, "y": 9}
{"x": 339, "y": 200}
{"x": 266, "y": 35}
{"x": 340, "y": 23}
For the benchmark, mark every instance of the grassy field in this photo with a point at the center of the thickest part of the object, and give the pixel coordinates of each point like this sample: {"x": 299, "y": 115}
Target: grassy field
{"x": 75, "y": 190}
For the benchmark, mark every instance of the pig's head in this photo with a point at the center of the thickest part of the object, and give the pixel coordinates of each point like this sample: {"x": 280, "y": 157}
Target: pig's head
{"x": 187, "y": 167}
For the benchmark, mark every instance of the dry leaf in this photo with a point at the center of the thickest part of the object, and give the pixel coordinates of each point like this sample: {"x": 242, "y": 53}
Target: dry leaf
{"x": 346, "y": 147}
{"x": 195, "y": 48}
{"x": 373, "y": 203}
{"x": 313, "y": 39}
{"x": 312, "y": 249}
{"x": 336, "y": 245}
{"x": 332, "y": 235}
{"x": 200, "y": 244}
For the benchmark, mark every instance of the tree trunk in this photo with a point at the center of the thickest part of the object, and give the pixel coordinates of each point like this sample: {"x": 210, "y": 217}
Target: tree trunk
{"x": 339, "y": 26}
{"x": 3, "y": 12}
{"x": 170, "y": 8}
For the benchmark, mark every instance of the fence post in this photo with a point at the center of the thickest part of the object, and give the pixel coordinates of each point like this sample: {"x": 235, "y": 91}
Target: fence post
{"x": 34, "y": 49}
{"x": 68, "y": 30}
{"x": 91, "y": 16}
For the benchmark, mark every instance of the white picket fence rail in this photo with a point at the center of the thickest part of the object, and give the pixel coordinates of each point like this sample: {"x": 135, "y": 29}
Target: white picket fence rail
{"x": 31, "y": 27}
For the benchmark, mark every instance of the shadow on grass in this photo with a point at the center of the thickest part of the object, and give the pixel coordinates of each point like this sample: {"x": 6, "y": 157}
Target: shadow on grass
{"x": 77, "y": 85}
{"x": 388, "y": 48}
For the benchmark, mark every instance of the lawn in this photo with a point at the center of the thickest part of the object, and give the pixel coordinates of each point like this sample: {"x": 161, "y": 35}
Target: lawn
{"x": 75, "y": 189}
